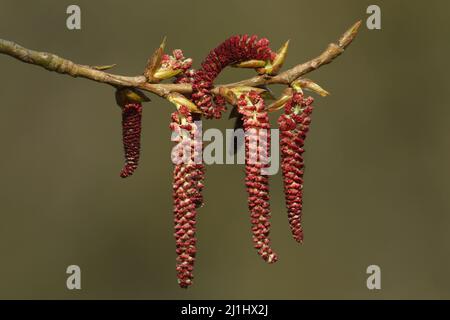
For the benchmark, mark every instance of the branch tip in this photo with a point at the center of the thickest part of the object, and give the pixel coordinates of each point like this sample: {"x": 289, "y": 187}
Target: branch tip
{"x": 349, "y": 35}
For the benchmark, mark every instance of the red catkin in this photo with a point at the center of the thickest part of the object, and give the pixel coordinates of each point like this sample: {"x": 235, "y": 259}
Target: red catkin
{"x": 257, "y": 146}
{"x": 187, "y": 187}
{"x": 294, "y": 127}
{"x": 233, "y": 50}
{"x": 131, "y": 137}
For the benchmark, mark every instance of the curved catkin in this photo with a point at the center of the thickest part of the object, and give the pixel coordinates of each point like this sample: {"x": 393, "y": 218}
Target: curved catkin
{"x": 233, "y": 50}
{"x": 294, "y": 127}
{"x": 257, "y": 146}
{"x": 187, "y": 197}
{"x": 131, "y": 136}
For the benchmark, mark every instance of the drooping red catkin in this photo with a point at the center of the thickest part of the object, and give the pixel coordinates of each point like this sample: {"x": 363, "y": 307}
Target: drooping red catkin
{"x": 233, "y": 50}
{"x": 187, "y": 188}
{"x": 257, "y": 146}
{"x": 131, "y": 136}
{"x": 294, "y": 126}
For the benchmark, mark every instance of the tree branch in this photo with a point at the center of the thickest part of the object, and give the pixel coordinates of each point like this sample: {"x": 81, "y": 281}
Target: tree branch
{"x": 58, "y": 64}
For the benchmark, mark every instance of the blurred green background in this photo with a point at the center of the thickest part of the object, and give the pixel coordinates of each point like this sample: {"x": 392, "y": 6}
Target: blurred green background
{"x": 377, "y": 180}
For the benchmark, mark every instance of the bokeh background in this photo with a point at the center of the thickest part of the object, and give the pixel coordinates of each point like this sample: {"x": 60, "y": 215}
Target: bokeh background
{"x": 377, "y": 180}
